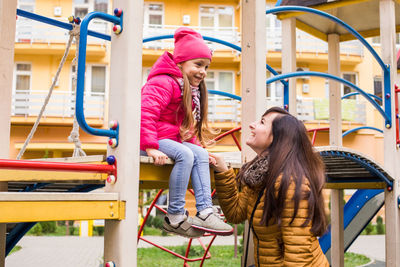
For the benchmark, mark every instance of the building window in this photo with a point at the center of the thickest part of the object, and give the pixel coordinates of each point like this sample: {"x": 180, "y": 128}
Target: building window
{"x": 378, "y": 88}
{"x": 216, "y": 17}
{"x": 220, "y": 81}
{"x": 377, "y": 39}
{"x": 22, "y": 87}
{"x": 101, "y": 6}
{"x": 27, "y": 5}
{"x": 83, "y": 7}
{"x": 274, "y": 90}
{"x": 351, "y": 77}
{"x": 154, "y": 14}
{"x": 95, "y": 79}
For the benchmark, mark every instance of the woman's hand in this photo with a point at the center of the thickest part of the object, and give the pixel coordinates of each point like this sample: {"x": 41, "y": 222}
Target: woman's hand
{"x": 158, "y": 156}
{"x": 218, "y": 162}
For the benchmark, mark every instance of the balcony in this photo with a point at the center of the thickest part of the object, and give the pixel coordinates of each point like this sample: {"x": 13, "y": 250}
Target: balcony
{"x": 229, "y": 34}
{"x": 308, "y": 43}
{"x": 226, "y": 110}
{"x": 61, "y": 105}
{"x": 31, "y": 32}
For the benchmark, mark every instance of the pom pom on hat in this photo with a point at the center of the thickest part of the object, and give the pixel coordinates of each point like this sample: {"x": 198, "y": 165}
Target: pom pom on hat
{"x": 189, "y": 44}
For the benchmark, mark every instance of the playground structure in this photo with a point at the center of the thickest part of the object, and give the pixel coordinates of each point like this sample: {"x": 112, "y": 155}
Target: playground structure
{"x": 119, "y": 204}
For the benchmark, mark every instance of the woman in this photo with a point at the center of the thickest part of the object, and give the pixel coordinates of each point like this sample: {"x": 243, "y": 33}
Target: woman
{"x": 279, "y": 192}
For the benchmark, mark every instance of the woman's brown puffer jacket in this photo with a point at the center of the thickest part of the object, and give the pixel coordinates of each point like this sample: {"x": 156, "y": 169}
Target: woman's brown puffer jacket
{"x": 287, "y": 245}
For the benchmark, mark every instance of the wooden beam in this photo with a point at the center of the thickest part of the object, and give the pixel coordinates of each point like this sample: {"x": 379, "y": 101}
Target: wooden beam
{"x": 120, "y": 237}
{"x": 335, "y": 139}
{"x": 289, "y": 59}
{"x": 7, "y": 39}
{"x": 391, "y": 152}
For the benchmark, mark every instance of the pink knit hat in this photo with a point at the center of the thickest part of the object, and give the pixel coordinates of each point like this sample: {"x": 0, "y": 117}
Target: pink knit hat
{"x": 189, "y": 45}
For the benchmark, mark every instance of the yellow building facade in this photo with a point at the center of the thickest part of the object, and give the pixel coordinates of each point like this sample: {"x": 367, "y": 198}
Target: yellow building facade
{"x": 39, "y": 49}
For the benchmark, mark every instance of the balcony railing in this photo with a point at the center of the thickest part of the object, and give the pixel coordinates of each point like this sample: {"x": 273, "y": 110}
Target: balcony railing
{"x": 31, "y": 31}
{"x": 308, "y": 109}
{"x": 308, "y": 43}
{"x": 315, "y": 109}
{"x": 229, "y": 34}
{"x": 221, "y": 109}
{"x": 61, "y": 104}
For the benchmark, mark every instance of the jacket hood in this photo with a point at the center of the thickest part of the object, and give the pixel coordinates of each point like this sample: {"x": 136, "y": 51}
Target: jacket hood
{"x": 165, "y": 65}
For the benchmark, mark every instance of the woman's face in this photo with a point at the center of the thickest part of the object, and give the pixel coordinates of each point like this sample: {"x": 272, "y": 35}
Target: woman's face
{"x": 261, "y": 133}
{"x": 195, "y": 69}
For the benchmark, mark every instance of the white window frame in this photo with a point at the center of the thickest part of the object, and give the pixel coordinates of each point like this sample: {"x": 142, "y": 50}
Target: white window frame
{"x": 342, "y": 85}
{"x": 216, "y": 79}
{"x": 21, "y": 72}
{"x": 145, "y": 74}
{"x": 89, "y": 6}
{"x": 88, "y": 78}
{"x": 274, "y": 87}
{"x": 216, "y": 19}
{"x": 148, "y": 12}
{"x": 26, "y": 3}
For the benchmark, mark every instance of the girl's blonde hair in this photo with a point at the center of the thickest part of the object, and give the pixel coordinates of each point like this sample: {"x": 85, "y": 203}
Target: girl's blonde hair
{"x": 190, "y": 127}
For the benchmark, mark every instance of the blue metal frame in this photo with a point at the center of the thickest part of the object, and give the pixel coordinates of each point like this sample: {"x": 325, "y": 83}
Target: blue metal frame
{"x": 80, "y": 86}
{"x": 63, "y": 25}
{"x": 360, "y": 128}
{"x": 215, "y": 40}
{"x": 385, "y": 67}
{"x": 215, "y": 92}
{"x": 330, "y": 76}
{"x": 351, "y": 209}
{"x": 357, "y": 93}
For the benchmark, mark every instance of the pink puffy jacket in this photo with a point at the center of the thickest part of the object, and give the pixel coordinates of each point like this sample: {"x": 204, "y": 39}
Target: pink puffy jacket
{"x": 162, "y": 110}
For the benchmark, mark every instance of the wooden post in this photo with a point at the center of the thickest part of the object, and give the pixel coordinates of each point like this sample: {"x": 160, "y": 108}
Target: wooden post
{"x": 289, "y": 59}
{"x": 335, "y": 139}
{"x": 391, "y": 153}
{"x": 7, "y": 38}
{"x": 120, "y": 237}
{"x": 253, "y": 80}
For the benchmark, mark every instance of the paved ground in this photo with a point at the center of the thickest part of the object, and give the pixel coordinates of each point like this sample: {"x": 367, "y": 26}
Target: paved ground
{"x": 88, "y": 252}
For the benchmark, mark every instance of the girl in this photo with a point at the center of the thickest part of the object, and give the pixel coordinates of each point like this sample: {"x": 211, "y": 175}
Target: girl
{"x": 281, "y": 193}
{"x": 174, "y": 124}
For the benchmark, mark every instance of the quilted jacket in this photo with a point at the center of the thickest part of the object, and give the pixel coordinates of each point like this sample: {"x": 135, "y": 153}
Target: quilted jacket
{"x": 287, "y": 245}
{"x": 161, "y": 112}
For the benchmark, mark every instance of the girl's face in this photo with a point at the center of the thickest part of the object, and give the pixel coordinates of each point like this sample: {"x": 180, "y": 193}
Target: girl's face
{"x": 261, "y": 133}
{"x": 195, "y": 69}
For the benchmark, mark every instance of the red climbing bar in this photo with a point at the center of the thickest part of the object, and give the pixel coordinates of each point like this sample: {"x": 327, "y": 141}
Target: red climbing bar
{"x": 56, "y": 166}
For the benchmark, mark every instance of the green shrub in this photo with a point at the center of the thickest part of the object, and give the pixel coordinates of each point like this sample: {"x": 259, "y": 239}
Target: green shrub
{"x": 98, "y": 230}
{"x": 149, "y": 220}
{"x": 48, "y": 227}
{"x": 36, "y": 230}
{"x": 240, "y": 229}
{"x": 369, "y": 228}
{"x": 195, "y": 251}
{"x": 157, "y": 222}
{"x": 72, "y": 230}
{"x": 380, "y": 228}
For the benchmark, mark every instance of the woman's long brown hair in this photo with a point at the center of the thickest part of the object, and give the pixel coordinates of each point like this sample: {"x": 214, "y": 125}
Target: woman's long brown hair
{"x": 292, "y": 157}
{"x": 190, "y": 127}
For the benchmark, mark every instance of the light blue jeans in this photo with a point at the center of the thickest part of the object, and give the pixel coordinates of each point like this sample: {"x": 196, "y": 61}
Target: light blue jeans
{"x": 190, "y": 161}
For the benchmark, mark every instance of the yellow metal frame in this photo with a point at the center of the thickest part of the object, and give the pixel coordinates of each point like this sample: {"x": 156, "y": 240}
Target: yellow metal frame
{"x": 366, "y": 185}
{"x": 48, "y": 176}
{"x": 36, "y": 211}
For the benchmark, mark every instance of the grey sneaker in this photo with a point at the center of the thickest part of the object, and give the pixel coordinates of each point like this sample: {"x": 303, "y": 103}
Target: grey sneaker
{"x": 184, "y": 228}
{"x": 212, "y": 223}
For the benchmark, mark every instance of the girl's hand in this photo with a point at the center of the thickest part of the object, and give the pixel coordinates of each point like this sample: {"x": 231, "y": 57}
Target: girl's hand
{"x": 158, "y": 156}
{"x": 219, "y": 165}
